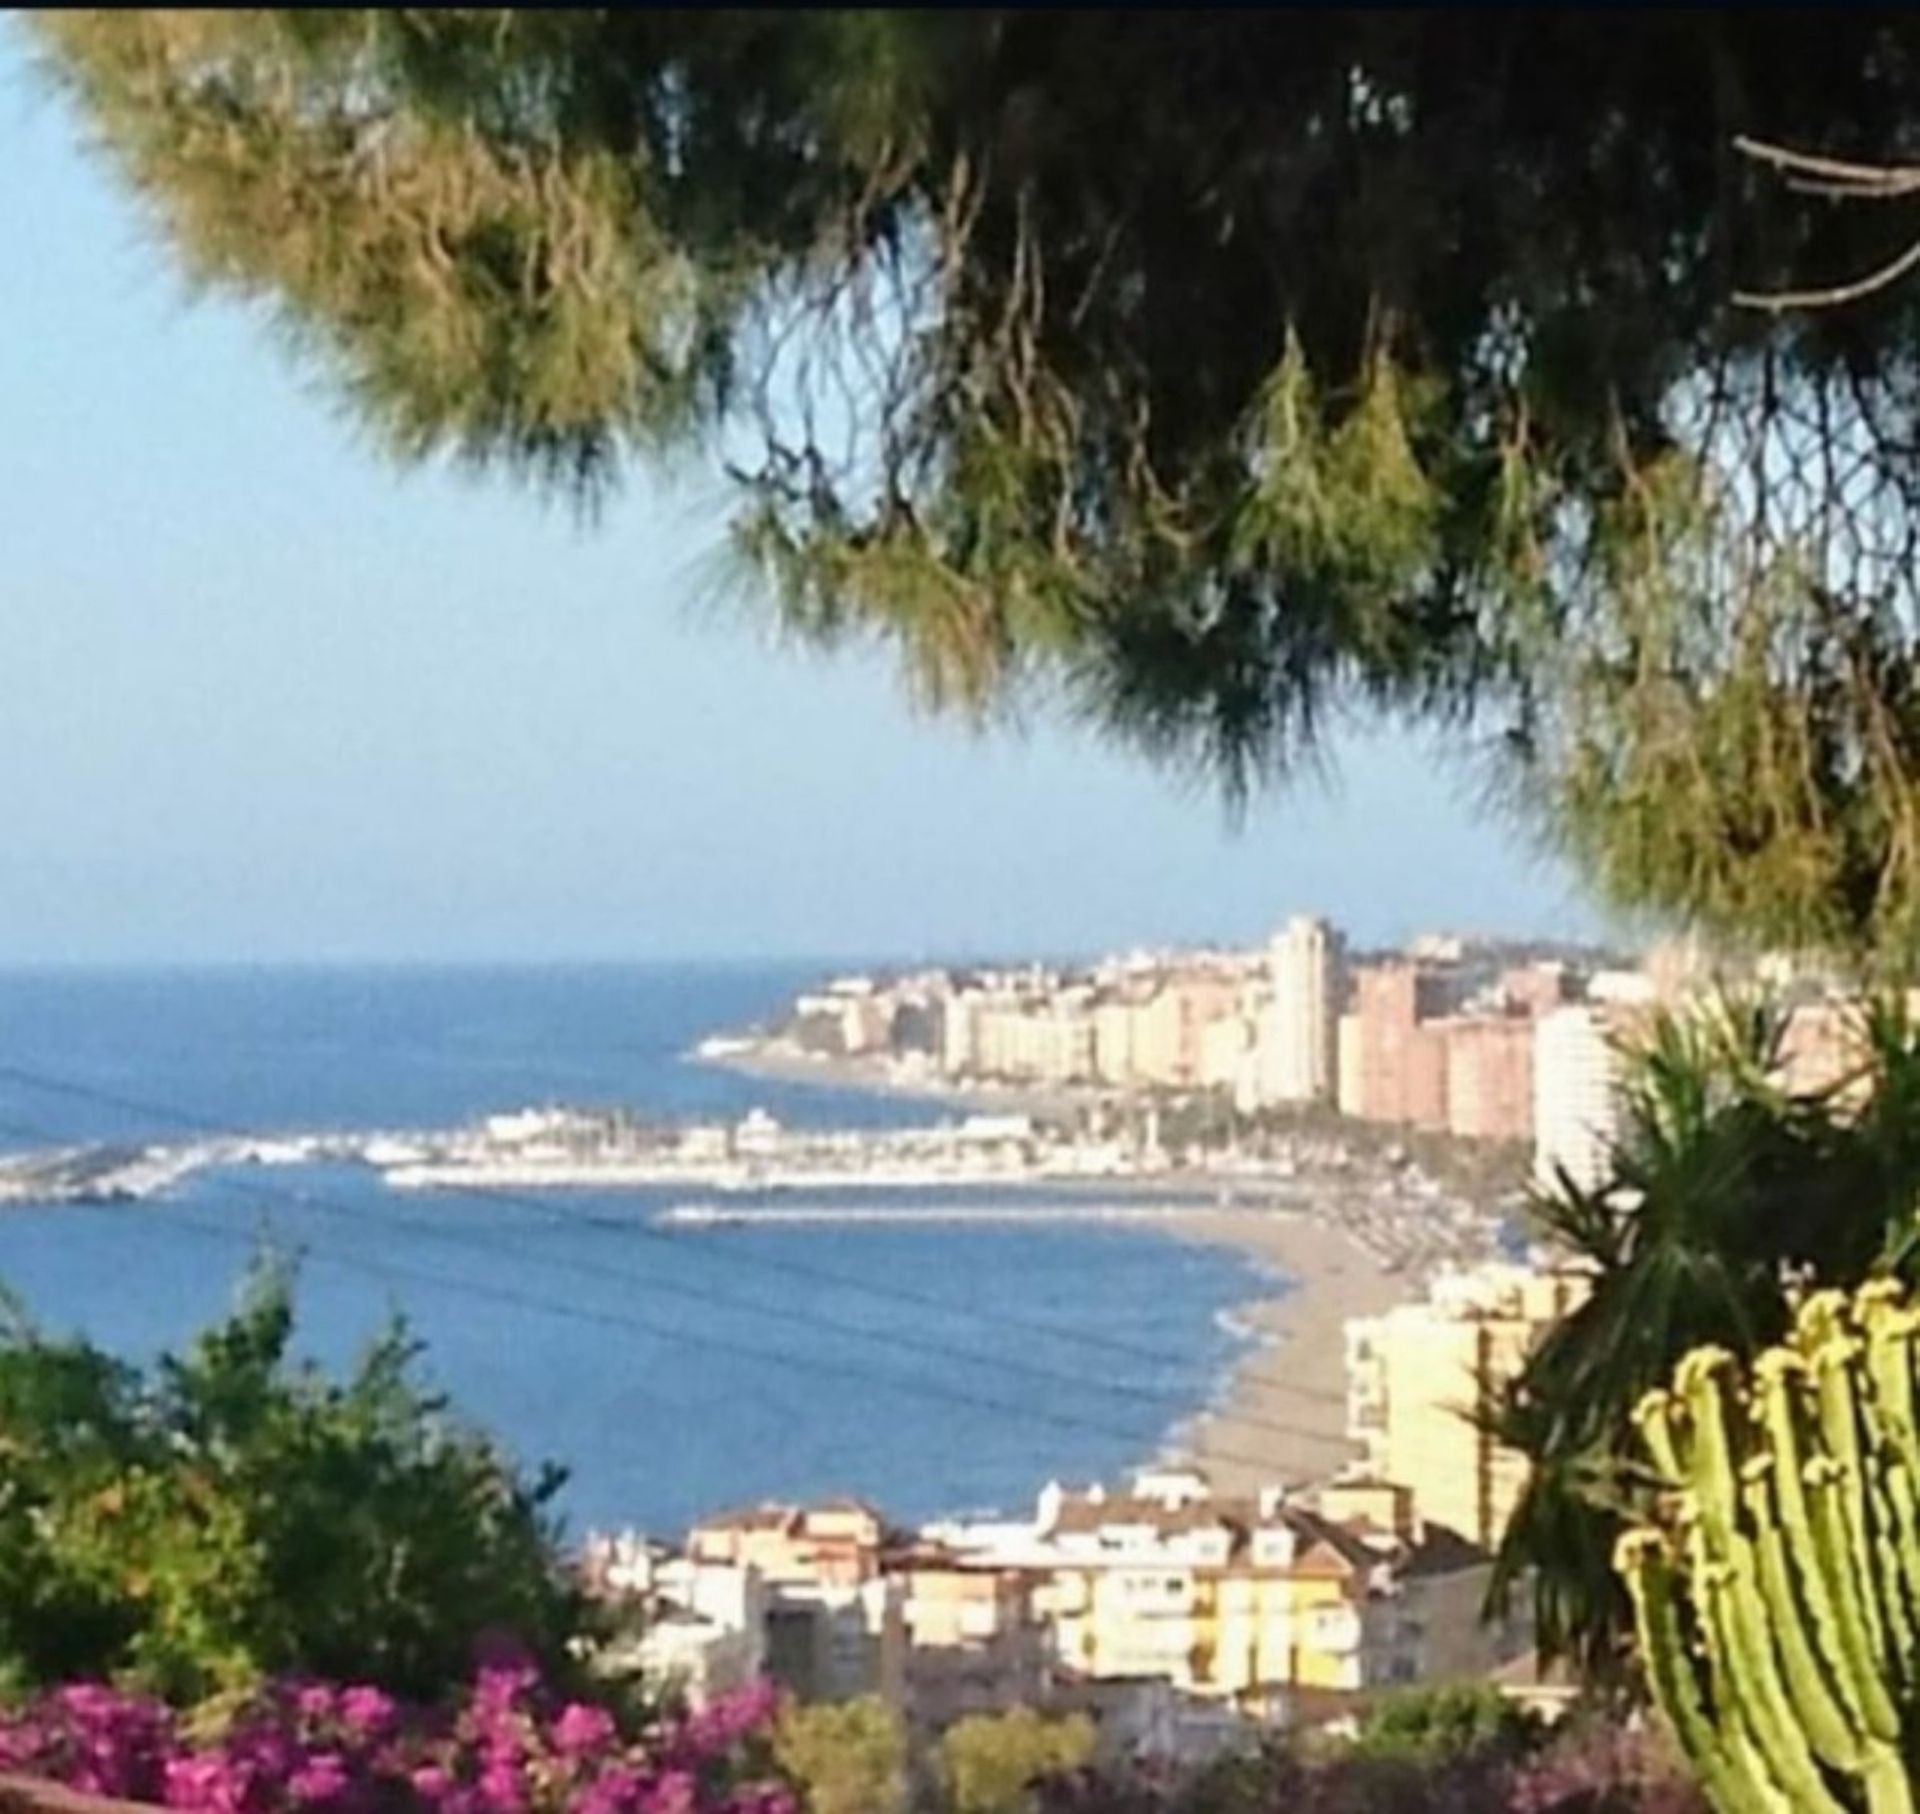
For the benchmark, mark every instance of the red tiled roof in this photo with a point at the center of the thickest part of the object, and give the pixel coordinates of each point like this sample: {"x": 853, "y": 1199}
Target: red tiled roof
{"x": 1444, "y": 1551}
{"x": 766, "y": 1517}
{"x": 1342, "y": 1545}
{"x": 1093, "y": 1514}
{"x": 1345, "y": 1542}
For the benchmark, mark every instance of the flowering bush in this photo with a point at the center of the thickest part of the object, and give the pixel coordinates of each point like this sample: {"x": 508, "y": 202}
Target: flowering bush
{"x": 507, "y": 1747}
{"x": 92, "y": 1739}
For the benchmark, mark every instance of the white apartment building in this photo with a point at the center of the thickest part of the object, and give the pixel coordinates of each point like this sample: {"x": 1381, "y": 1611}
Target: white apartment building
{"x": 1576, "y": 1109}
{"x": 1230, "y": 1057}
{"x": 960, "y": 1032}
{"x": 1420, "y": 1376}
{"x": 706, "y": 1636}
{"x": 702, "y": 1628}
{"x": 1298, "y": 1032}
{"x": 1350, "y": 1074}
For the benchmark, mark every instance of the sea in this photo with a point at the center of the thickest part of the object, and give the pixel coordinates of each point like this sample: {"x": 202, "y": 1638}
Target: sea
{"x": 935, "y": 1369}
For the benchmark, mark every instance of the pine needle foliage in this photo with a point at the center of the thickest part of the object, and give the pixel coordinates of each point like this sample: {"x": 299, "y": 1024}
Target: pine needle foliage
{"x": 1207, "y": 375}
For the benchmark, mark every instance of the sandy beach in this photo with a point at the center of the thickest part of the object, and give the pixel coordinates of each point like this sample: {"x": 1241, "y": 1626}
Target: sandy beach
{"x": 1282, "y": 1417}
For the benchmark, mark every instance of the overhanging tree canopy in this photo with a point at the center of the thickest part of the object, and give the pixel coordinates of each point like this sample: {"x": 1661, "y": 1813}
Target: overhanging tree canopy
{"x": 1204, "y": 371}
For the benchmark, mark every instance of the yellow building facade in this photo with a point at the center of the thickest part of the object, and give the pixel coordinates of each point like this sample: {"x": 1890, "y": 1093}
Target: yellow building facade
{"x": 1421, "y": 1376}
{"x": 1238, "y": 1600}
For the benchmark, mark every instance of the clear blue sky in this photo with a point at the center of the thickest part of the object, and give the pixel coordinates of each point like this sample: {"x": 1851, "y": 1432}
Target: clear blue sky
{"x": 263, "y": 698}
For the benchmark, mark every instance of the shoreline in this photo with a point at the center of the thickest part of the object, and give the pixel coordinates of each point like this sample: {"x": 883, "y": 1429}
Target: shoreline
{"x": 1277, "y": 1414}
{"x": 1273, "y": 1413}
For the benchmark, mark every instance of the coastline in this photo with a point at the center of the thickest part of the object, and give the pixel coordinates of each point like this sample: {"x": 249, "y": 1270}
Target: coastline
{"x": 1274, "y": 1414}
{"x": 1278, "y": 1415}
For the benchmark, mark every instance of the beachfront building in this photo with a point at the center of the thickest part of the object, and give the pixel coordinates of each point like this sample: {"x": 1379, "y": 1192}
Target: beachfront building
{"x": 1576, "y": 1109}
{"x": 1170, "y": 1028}
{"x": 1042, "y": 1042}
{"x": 1113, "y": 1024}
{"x": 1230, "y": 1056}
{"x": 1350, "y": 1081}
{"x": 959, "y": 1040}
{"x": 1579, "y": 1063}
{"x": 1400, "y": 1055}
{"x": 1176, "y": 1029}
{"x": 980, "y": 1021}
{"x": 848, "y": 1018}
{"x": 1298, "y": 1032}
{"x": 1421, "y": 1375}
{"x": 1245, "y": 1601}
{"x": 1490, "y": 1077}
{"x": 833, "y": 1620}
{"x": 975, "y": 1642}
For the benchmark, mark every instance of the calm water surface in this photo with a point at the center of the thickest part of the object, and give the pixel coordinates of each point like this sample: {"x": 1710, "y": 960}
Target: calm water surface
{"x": 931, "y": 1369}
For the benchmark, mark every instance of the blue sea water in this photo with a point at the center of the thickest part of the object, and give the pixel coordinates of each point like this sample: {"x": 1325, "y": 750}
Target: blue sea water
{"x": 930, "y": 1369}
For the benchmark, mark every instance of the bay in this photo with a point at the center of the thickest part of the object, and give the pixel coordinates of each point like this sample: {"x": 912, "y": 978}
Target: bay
{"x": 930, "y": 1369}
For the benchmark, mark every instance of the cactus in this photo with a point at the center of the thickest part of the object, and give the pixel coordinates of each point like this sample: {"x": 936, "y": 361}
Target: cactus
{"x": 1776, "y": 1589}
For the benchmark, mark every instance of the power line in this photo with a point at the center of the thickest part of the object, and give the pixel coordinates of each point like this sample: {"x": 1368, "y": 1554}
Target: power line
{"x": 775, "y": 1264}
{"x": 560, "y": 1216}
{"x": 571, "y": 1311}
{"x": 628, "y": 1321}
{"x": 568, "y": 1311}
{"x": 597, "y": 1272}
{"x": 799, "y": 1269}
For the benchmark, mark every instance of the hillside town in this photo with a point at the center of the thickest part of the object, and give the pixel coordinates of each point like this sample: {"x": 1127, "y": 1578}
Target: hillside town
{"x": 1180, "y": 1617}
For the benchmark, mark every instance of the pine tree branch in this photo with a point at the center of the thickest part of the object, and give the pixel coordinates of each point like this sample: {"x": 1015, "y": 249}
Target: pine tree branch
{"x": 1838, "y": 180}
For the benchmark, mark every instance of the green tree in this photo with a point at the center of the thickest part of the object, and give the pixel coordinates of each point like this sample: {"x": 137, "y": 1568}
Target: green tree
{"x": 1457, "y": 1722}
{"x": 1724, "y": 1192}
{"x": 990, "y": 1763}
{"x": 1208, "y": 372}
{"x": 847, "y": 1757}
{"x": 231, "y": 1515}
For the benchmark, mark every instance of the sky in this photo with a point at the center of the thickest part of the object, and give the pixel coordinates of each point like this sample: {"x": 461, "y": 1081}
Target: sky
{"x": 265, "y": 698}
